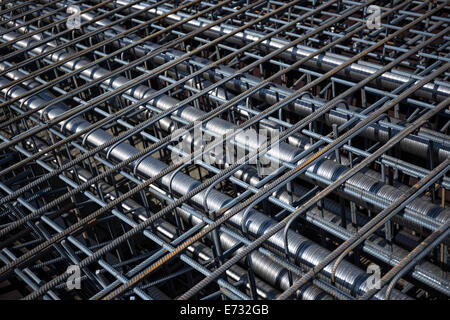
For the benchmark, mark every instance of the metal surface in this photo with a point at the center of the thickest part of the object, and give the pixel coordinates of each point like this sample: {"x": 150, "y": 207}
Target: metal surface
{"x": 224, "y": 149}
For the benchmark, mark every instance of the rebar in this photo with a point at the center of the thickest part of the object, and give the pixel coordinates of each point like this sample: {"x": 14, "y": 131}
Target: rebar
{"x": 225, "y": 149}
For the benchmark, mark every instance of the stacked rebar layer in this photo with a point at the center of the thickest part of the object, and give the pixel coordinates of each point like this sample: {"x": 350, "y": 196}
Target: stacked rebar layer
{"x": 221, "y": 150}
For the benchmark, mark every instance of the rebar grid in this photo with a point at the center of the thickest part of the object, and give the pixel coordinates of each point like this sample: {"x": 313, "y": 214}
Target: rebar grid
{"x": 224, "y": 149}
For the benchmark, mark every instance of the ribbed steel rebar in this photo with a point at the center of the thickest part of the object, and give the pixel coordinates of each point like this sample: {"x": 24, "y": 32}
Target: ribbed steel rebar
{"x": 128, "y": 149}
